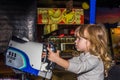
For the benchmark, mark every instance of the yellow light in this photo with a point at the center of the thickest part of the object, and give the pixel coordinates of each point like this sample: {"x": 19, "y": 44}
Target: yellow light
{"x": 85, "y": 5}
{"x": 116, "y": 30}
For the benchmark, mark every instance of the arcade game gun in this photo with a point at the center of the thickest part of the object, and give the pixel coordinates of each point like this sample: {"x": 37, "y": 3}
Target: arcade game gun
{"x": 26, "y": 56}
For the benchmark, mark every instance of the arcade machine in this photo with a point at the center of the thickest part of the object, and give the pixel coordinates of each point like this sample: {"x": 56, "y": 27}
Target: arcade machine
{"x": 26, "y": 56}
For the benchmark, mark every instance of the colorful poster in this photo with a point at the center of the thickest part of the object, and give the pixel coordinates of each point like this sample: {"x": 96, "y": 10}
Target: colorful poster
{"x": 60, "y": 16}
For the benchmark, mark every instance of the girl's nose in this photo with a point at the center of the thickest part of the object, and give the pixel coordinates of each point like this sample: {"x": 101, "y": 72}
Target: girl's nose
{"x": 75, "y": 41}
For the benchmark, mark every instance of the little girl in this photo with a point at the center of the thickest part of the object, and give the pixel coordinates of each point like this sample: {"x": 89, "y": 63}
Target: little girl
{"x": 94, "y": 59}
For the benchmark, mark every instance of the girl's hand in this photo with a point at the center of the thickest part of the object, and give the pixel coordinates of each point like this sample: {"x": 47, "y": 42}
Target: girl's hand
{"x": 53, "y": 56}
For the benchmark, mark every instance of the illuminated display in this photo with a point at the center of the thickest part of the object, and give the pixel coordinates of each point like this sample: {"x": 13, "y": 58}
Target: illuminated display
{"x": 60, "y": 16}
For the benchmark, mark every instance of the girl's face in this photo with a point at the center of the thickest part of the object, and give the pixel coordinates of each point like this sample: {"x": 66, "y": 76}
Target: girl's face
{"x": 82, "y": 44}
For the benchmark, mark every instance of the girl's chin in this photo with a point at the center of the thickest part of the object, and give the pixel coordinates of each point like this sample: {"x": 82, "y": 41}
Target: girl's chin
{"x": 77, "y": 49}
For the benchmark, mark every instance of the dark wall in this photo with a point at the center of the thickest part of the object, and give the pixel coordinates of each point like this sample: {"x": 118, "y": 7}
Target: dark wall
{"x": 17, "y": 17}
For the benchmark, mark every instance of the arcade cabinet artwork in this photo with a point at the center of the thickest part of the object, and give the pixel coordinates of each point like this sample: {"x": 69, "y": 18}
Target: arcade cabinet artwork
{"x": 26, "y": 56}
{"x": 115, "y": 35}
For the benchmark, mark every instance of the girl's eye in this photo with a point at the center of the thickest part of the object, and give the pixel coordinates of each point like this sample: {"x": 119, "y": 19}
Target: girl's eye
{"x": 80, "y": 38}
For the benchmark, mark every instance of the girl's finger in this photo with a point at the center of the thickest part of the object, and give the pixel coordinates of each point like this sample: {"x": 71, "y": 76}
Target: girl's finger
{"x": 49, "y": 49}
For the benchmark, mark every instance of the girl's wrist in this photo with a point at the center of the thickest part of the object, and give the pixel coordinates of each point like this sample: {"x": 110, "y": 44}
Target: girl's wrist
{"x": 57, "y": 59}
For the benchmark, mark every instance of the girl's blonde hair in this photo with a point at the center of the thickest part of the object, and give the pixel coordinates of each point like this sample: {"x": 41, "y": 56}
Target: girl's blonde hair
{"x": 97, "y": 35}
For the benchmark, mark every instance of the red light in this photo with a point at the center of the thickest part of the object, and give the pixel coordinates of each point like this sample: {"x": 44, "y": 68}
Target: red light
{"x": 72, "y": 32}
{"x": 61, "y": 35}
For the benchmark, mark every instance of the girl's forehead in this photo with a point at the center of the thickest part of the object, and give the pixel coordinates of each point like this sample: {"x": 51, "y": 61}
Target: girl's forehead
{"x": 81, "y": 33}
{"x": 77, "y": 33}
